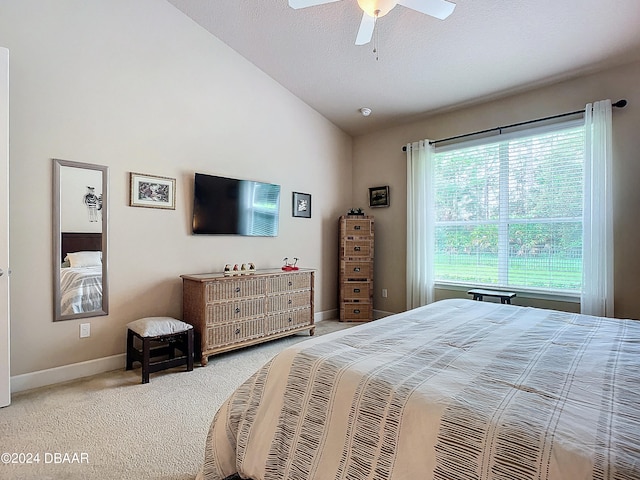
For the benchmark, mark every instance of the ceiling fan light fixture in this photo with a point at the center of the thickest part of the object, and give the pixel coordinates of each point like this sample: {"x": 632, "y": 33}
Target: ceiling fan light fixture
{"x": 377, "y": 8}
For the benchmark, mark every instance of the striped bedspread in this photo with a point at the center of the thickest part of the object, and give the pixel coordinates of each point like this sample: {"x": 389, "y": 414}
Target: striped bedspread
{"x": 81, "y": 290}
{"x": 455, "y": 390}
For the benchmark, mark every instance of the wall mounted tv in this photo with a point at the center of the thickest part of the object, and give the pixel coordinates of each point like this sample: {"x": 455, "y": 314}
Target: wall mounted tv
{"x": 228, "y": 206}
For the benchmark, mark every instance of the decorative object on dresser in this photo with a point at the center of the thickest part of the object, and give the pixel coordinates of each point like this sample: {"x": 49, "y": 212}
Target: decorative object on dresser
{"x": 230, "y": 312}
{"x": 356, "y": 268}
{"x": 289, "y": 266}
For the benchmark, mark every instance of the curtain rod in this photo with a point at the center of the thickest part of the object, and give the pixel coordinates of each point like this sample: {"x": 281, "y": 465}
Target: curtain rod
{"x": 618, "y": 104}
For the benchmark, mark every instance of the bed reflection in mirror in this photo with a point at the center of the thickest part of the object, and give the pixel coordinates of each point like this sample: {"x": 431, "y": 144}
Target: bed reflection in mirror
{"x": 80, "y": 240}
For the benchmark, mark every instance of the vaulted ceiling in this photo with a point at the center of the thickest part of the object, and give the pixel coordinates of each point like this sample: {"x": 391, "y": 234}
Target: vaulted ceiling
{"x": 485, "y": 49}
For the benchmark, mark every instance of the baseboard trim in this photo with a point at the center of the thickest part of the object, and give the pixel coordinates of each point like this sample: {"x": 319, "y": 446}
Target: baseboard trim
{"x": 65, "y": 373}
{"x": 326, "y": 315}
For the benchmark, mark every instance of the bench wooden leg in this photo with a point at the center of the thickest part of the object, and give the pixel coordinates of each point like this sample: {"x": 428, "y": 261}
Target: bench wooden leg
{"x": 189, "y": 351}
{"x": 146, "y": 351}
{"x": 130, "y": 352}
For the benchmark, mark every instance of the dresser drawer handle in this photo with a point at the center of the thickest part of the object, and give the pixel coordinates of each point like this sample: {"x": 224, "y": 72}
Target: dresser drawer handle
{"x": 356, "y": 269}
{"x": 237, "y": 289}
{"x": 237, "y": 309}
{"x": 237, "y": 331}
{"x": 356, "y": 290}
{"x": 357, "y": 249}
{"x": 356, "y": 311}
{"x": 357, "y": 227}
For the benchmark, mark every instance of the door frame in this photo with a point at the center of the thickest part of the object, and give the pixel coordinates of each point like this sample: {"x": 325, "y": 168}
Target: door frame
{"x": 5, "y": 334}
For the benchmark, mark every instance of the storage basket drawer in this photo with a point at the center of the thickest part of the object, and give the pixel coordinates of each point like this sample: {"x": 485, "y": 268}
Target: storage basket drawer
{"x": 356, "y": 291}
{"x": 232, "y": 311}
{"x": 357, "y": 227}
{"x": 235, "y": 332}
{"x": 357, "y": 248}
{"x": 357, "y": 311}
{"x": 286, "y": 321}
{"x": 356, "y": 270}
{"x": 288, "y": 282}
{"x": 287, "y": 301}
{"x": 234, "y": 288}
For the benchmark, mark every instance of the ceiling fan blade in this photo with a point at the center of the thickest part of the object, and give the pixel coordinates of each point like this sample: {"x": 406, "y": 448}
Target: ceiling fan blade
{"x": 436, "y": 8}
{"x": 366, "y": 30}
{"x": 308, "y": 3}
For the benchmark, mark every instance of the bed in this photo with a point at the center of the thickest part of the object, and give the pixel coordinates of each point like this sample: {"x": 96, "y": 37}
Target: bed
{"x": 454, "y": 390}
{"x": 80, "y": 273}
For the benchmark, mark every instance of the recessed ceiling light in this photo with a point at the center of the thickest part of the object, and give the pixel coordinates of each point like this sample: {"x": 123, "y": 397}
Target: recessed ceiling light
{"x": 365, "y": 111}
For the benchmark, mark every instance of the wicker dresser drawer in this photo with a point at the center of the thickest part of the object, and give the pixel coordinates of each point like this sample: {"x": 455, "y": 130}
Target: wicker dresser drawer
{"x": 355, "y": 270}
{"x": 285, "y": 321}
{"x": 357, "y": 311}
{"x": 235, "y": 332}
{"x": 357, "y": 248}
{"x": 231, "y": 288}
{"x": 235, "y": 310}
{"x": 358, "y": 227}
{"x": 288, "y": 283}
{"x": 356, "y": 291}
{"x": 288, "y": 301}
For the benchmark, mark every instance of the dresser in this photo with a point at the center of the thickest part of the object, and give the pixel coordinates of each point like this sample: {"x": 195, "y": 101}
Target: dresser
{"x": 235, "y": 311}
{"x": 356, "y": 268}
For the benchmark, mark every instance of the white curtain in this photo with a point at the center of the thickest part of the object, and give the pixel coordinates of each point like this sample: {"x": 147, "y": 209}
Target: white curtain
{"x": 420, "y": 221}
{"x": 597, "y": 272}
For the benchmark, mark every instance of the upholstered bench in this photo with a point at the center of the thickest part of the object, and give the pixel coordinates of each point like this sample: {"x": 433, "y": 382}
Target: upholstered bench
{"x": 166, "y": 334}
{"x": 479, "y": 293}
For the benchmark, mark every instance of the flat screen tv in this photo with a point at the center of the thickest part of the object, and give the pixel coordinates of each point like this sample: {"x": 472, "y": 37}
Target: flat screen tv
{"x": 228, "y": 206}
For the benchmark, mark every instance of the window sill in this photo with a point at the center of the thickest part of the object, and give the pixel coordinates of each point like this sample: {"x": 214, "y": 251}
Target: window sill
{"x": 569, "y": 297}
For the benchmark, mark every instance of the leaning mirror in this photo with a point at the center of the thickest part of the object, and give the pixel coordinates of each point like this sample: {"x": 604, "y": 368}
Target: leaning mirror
{"x": 80, "y": 214}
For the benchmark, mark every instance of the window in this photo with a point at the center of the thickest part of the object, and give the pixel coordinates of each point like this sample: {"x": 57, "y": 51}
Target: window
{"x": 509, "y": 210}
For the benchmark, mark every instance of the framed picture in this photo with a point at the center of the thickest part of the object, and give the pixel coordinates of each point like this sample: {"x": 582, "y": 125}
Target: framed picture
{"x": 152, "y": 191}
{"x": 301, "y": 205}
{"x": 379, "y": 196}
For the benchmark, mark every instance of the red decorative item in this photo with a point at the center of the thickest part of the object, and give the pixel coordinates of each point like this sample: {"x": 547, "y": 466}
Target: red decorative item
{"x": 287, "y": 267}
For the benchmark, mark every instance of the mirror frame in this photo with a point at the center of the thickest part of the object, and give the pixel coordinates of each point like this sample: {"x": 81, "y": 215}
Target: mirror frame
{"x": 57, "y": 239}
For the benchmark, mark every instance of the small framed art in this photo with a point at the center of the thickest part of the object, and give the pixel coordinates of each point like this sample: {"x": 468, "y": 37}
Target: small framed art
{"x": 379, "y": 196}
{"x": 301, "y": 205}
{"x": 152, "y": 191}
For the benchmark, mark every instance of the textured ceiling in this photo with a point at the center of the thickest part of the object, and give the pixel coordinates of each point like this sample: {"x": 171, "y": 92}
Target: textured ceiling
{"x": 484, "y": 49}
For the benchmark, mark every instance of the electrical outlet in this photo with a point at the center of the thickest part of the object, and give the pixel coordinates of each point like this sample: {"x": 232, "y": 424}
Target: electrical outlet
{"x": 85, "y": 330}
{"x": 384, "y": 293}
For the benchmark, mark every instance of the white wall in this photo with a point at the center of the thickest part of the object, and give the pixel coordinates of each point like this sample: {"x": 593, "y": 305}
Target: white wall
{"x": 379, "y": 160}
{"x": 137, "y": 86}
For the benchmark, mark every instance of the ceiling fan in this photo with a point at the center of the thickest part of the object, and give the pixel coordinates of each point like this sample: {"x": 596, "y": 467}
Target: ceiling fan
{"x": 374, "y": 9}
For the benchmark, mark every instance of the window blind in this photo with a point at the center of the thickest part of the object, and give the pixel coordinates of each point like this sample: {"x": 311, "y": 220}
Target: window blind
{"x": 509, "y": 210}
{"x": 264, "y": 210}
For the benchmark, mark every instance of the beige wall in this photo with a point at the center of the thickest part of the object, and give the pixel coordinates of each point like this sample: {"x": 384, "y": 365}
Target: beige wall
{"x": 378, "y": 160}
{"x": 137, "y": 86}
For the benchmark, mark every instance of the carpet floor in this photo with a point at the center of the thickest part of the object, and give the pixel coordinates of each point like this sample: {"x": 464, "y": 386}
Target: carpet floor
{"x": 110, "y": 426}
